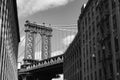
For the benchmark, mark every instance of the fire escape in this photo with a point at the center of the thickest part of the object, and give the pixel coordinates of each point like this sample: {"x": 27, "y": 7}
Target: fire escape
{"x": 104, "y": 39}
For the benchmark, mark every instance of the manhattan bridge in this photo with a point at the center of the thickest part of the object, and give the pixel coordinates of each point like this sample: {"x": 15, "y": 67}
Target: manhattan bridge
{"x": 43, "y": 50}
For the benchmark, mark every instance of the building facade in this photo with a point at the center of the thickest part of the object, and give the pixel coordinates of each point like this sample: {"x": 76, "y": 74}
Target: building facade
{"x": 9, "y": 39}
{"x": 99, "y": 27}
{"x": 72, "y": 66}
{"x": 95, "y": 52}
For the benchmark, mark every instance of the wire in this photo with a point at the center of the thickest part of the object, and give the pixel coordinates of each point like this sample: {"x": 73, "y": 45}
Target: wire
{"x": 57, "y": 27}
{"x": 24, "y": 50}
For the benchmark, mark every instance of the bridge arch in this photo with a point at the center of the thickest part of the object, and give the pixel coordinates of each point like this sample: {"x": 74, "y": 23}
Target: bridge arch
{"x": 31, "y": 30}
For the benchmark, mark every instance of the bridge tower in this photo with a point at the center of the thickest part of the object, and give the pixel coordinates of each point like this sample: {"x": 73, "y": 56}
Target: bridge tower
{"x": 31, "y": 29}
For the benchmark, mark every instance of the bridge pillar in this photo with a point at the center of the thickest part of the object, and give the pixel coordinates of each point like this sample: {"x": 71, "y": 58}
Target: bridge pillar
{"x": 46, "y": 46}
{"x": 49, "y": 45}
{"x": 31, "y": 30}
{"x": 29, "y": 45}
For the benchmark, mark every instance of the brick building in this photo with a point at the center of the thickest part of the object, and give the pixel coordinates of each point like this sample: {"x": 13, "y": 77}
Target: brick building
{"x": 9, "y": 39}
{"x": 72, "y": 61}
{"x": 95, "y": 52}
{"x": 99, "y": 26}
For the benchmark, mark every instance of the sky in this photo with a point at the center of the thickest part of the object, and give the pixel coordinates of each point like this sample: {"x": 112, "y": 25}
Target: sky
{"x": 54, "y": 12}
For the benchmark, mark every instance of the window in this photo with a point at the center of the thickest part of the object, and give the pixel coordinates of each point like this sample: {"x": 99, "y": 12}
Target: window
{"x": 83, "y": 26}
{"x": 100, "y": 74}
{"x": 91, "y": 77}
{"x": 111, "y": 69}
{"x": 93, "y": 24}
{"x": 91, "y": 62}
{"x": 109, "y": 47}
{"x": 80, "y": 63}
{"x": 118, "y": 66}
{"x": 84, "y": 53}
{"x": 114, "y": 23}
{"x": 88, "y": 77}
{"x": 113, "y": 4}
{"x": 84, "y": 68}
{"x": 116, "y": 44}
{"x": 95, "y": 75}
{"x": 89, "y": 32}
{"x": 99, "y": 56}
{"x": 90, "y": 50}
{"x": 86, "y": 22}
{"x": 92, "y": 13}
{"x": 119, "y": 5}
{"x": 87, "y": 66}
{"x": 89, "y": 17}
{"x": 86, "y": 36}
{"x": 94, "y": 51}
{"x": 94, "y": 45}
{"x": 84, "y": 78}
{"x": 83, "y": 39}
{"x": 87, "y": 50}
{"x": 97, "y": 19}
{"x": 119, "y": 1}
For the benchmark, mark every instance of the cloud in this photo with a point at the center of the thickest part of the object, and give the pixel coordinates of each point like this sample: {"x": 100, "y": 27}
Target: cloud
{"x": 55, "y": 53}
{"x": 28, "y": 7}
{"x": 68, "y": 40}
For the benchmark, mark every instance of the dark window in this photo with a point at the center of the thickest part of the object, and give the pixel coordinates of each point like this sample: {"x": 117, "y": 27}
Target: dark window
{"x": 80, "y": 75}
{"x": 116, "y": 44}
{"x": 93, "y": 24}
{"x": 86, "y": 36}
{"x": 91, "y": 62}
{"x": 87, "y": 66}
{"x": 111, "y": 69}
{"x": 114, "y": 23}
{"x": 99, "y": 55}
{"x": 95, "y": 75}
{"x": 84, "y": 52}
{"x": 113, "y": 4}
{"x": 118, "y": 66}
{"x": 89, "y": 32}
{"x": 100, "y": 74}
{"x": 119, "y": 4}
{"x": 87, "y": 77}
{"x": 86, "y": 22}
{"x": 92, "y": 10}
{"x": 97, "y": 19}
{"x": 119, "y": 1}
{"x": 80, "y": 63}
{"x": 83, "y": 26}
{"x": 87, "y": 50}
{"x": 94, "y": 45}
{"x": 89, "y": 17}
{"x": 109, "y": 46}
{"x": 106, "y": 4}
{"x": 90, "y": 49}
{"x": 84, "y": 68}
{"x": 91, "y": 77}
